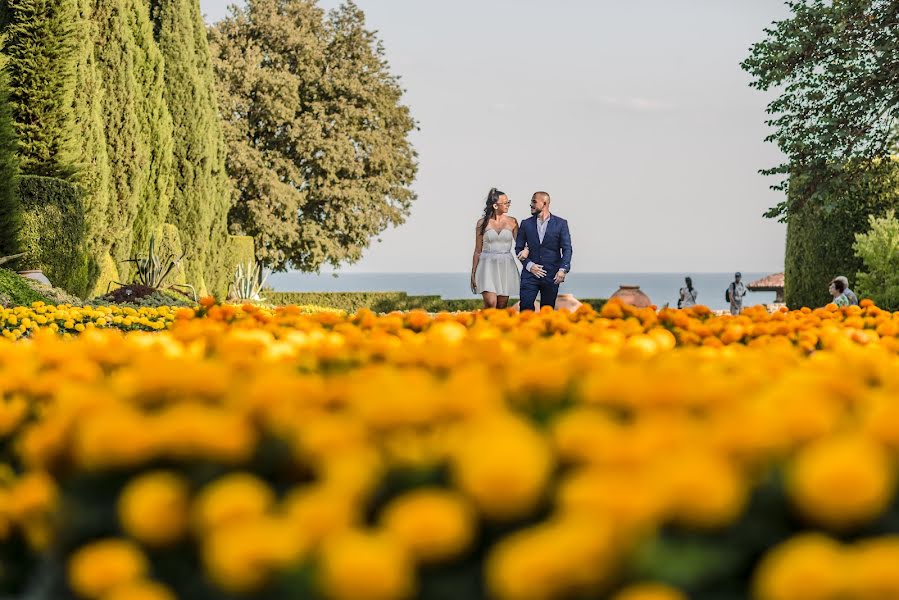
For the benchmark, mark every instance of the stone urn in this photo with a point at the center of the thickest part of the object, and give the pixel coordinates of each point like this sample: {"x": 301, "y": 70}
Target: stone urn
{"x": 633, "y": 296}
{"x": 36, "y": 275}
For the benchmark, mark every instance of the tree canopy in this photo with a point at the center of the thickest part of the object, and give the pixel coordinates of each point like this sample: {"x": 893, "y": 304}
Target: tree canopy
{"x": 318, "y": 136}
{"x": 835, "y": 67}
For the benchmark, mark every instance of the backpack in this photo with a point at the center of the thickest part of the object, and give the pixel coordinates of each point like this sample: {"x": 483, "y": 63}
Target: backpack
{"x": 727, "y": 294}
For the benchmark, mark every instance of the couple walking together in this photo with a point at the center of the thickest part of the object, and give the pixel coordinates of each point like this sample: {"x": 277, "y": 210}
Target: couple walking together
{"x": 542, "y": 244}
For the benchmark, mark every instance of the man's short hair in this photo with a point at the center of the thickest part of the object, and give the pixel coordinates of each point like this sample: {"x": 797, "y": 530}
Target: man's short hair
{"x": 544, "y": 195}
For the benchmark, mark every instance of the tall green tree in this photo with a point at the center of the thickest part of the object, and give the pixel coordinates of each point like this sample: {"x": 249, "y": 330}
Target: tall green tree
{"x": 10, "y": 207}
{"x": 40, "y": 42}
{"x": 126, "y": 150}
{"x": 92, "y": 161}
{"x": 155, "y": 126}
{"x": 835, "y": 68}
{"x": 201, "y": 196}
{"x": 317, "y": 132}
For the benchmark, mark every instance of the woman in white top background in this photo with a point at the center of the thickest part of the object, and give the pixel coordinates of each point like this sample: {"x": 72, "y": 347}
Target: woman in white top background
{"x": 494, "y": 273}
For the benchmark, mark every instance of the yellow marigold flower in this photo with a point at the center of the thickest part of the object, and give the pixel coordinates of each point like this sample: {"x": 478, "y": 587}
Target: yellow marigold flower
{"x": 552, "y": 560}
{"x": 663, "y": 338}
{"x": 650, "y": 591}
{"x": 153, "y": 508}
{"x": 118, "y": 436}
{"x": 611, "y": 493}
{"x": 639, "y": 347}
{"x": 842, "y": 481}
{"x": 704, "y": 490}
{"x": 319, "y": 512}
{"x": 503, "y": 464}
{"x": 872, "y": 571}
{"x": 447, "y": 332}
{"x": 583, "y": 435}
{"x": 12, "y": 412}
{"x": 241, "y": 557}
{"x": 807, "y": 567}
{"x": 102, "y": 566}
{"x": 140, "y": 590}
{"x": 231, "y": 499}
{"x": 34, "y": 495}
{"x": 355, "y": 473}
{"x": 434, "y": 525}
{"x": 358, "y": 565}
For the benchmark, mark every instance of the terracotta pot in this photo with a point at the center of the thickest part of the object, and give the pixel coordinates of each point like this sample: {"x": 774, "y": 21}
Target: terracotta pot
{"x": 633, "y": 296}
{"x": 36, "y": 275}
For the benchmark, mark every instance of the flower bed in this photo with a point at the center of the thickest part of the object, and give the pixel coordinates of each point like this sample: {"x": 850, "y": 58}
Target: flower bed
{"x": 243, "y": 452}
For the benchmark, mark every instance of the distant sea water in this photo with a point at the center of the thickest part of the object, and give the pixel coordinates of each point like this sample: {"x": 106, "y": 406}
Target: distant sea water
{"x": 661, "y": 287}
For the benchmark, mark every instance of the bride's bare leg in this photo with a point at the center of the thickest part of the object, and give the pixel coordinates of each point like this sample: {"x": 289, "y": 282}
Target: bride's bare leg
{"x": 489, "y": 299}
{"x": 502, "y": 301}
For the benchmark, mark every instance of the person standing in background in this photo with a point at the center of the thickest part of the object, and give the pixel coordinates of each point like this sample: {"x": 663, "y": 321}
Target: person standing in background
{"x": 688, "y": 294}
{"x": 837, "y": 289}
{"x": 850, "y": 295}
{"x": 734, "y": 294}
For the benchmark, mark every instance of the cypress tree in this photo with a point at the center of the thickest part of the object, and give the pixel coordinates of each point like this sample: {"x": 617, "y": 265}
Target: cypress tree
{"x": 155, "y": 123}
{"x": 41, "y": 45}
{"x": 10, "y": 207}
{"x": 128, "y": 159}
{"x": 200, "y": 198}
{"x": 92, "y": 159}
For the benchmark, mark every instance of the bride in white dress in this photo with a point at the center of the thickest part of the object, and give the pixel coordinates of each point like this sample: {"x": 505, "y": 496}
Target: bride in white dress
{"x": 494, "y": 273}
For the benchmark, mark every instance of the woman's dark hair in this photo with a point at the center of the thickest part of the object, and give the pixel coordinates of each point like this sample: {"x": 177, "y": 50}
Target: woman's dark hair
{"x": 492, "y": 198}
{"x": 689, "y": 281}
{"x": 839, "y": 285}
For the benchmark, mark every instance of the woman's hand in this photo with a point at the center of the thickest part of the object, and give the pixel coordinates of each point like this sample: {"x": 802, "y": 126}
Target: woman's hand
{"x": 474, "y": 286}
{"x": 523, "y": 254}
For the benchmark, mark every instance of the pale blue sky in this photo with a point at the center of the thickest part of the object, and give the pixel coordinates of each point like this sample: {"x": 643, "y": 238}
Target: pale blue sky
{"x": 635, "y": 116}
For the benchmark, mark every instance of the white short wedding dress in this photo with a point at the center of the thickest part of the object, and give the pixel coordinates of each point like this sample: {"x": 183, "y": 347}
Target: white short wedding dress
{"x": 498, "y": 271}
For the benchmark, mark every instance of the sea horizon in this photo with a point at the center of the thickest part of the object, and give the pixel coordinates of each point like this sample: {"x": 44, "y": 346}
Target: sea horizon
{"x": 661, "y": 286}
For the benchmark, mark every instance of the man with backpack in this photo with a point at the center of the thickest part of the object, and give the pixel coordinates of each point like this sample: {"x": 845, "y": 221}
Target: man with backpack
{"x": 734, "y": 294}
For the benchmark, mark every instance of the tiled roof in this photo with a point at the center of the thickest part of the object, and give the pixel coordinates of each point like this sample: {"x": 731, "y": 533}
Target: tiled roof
{"x": 769, "y": 283}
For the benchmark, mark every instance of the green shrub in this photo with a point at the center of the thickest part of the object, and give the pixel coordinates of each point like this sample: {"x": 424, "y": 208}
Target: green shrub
{"x": 53, "y": 232}
{"x": 16, "y": 290}
{"x": 878, "y": 249}
{"x": 820, "y": 235}
{"x": 348, "y": 301}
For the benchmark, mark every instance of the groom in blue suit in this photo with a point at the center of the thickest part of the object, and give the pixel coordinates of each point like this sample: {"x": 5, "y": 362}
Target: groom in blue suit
{"x": 549, "y": 253}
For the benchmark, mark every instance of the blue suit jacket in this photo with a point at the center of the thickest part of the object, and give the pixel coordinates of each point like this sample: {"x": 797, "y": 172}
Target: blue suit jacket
{"x": 553, "y": 253}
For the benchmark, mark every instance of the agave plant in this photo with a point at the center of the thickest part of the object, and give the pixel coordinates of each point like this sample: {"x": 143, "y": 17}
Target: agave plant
{"x": 248, "y": 282}
{"x": 151, "y": 270}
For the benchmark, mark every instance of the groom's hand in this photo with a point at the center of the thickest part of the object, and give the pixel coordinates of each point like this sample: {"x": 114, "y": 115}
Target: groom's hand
{"x": 538, "y": 271}
{"x": 560, "y": 277}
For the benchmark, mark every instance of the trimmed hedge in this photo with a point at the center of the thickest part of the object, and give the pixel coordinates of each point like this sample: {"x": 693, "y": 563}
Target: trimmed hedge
{"x": 53, "y": 232}
{"x": 385, "y": 301}
{"x": 820, "y": 234}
